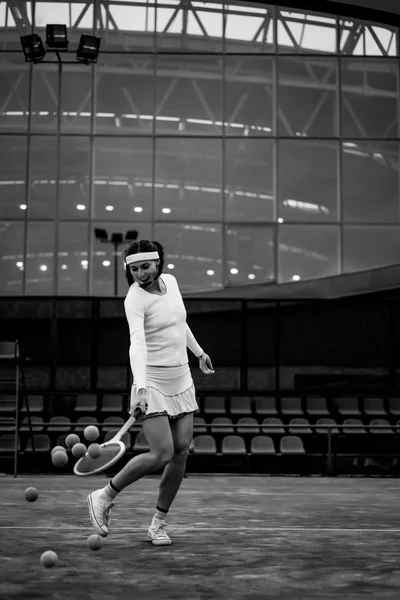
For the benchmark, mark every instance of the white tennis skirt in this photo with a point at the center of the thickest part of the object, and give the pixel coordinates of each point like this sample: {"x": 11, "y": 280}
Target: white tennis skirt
{"x": 170, "y": 392}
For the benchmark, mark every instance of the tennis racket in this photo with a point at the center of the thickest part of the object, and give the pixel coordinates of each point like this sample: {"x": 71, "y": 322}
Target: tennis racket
{"x": 111, "y": 451}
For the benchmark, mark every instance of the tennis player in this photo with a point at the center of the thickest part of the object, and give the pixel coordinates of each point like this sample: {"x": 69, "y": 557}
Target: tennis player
{"x": 162, "y": 385}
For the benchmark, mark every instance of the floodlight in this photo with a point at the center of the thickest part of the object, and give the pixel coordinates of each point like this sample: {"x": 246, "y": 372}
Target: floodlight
{"x": 88, "y": 49}
{"x": 101, "y": 234}
{"x": 131, "y": 236}
{"x": 56, "y": 37}
{"x": 117, "y": 238}
{"x": 33, "y": 48}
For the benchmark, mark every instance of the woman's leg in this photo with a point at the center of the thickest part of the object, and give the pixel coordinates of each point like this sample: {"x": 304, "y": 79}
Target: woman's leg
{"x": 182, "y": 433}
{"x": 158, "y": 434}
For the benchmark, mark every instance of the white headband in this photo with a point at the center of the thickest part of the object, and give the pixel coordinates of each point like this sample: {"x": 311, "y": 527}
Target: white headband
{"x": 141, "y": 256}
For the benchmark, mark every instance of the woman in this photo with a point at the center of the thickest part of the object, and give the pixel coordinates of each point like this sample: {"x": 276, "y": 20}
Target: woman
{"x": 162, "y": 385}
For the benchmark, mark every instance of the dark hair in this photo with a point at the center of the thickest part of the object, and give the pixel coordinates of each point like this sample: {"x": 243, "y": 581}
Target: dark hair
{"x": 144, "y": 246}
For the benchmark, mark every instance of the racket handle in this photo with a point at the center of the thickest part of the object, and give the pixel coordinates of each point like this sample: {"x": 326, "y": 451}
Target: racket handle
{"x": 126, "y": 427}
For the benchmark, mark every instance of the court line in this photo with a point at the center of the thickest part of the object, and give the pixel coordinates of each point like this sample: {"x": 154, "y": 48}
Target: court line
{"x": 256, "y": 493}
{"x": 211, "y": 529}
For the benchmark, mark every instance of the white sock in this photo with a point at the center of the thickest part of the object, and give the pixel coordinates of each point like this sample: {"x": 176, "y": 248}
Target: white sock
{"x": 160, "y": 515}
{"x": 110, "y": 491}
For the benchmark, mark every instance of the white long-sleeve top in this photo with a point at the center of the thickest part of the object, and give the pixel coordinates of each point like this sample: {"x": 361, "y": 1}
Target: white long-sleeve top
{"x": 158, "y": 330}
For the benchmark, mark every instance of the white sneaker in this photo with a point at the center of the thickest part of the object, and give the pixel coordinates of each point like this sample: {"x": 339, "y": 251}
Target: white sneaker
{"x": 99, "y": 512}
{"x": 157, "y": 533}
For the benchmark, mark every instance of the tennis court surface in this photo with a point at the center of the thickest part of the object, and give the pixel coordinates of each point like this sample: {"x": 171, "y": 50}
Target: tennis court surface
{"x": 232, "y": 537}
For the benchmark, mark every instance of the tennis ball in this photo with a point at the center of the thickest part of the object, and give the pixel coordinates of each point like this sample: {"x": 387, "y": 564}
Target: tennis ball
{"x": 59, "y": 458}
{"x": 94, "y": 450}
{"x": 31, "y": 494}
{"x": 94, "y": 542}
{"x": 49, "y": 559}
{"x": 91, "y": 433}
{"x": 58, "y": 448}
{"x": 79, "y": 450}
{"x": 72, "y": 439}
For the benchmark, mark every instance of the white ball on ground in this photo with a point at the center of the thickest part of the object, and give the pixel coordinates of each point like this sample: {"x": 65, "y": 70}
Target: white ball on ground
{"x": 94, "y": 542}
{"x": 91, "y": 433}
{"x": 79, "y": 450}
{"x": 31, "y": 494}
{"x": 94, "y": 450}
{"x": 49, "y": 559}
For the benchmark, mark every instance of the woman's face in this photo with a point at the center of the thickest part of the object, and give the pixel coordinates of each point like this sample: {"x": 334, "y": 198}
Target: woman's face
{"x": 144, "y": 272}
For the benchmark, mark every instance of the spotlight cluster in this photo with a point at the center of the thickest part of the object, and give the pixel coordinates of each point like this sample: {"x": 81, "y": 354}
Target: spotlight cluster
{"x": 57, "y": 41}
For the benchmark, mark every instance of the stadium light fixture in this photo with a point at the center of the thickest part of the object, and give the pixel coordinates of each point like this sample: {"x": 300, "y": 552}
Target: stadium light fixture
{"x": 56, "y": 37}
{"x": 88, "y": 49}
{"x": 101, "y": 234}
{"x": 131, "y": 236}
{"x": 33, "y": 48}
{"x": 117, "y": 238}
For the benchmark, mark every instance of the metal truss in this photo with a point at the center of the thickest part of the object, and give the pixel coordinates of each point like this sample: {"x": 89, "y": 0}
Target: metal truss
{"x": 294, "y": 24}
{"x": 352, "y": 37}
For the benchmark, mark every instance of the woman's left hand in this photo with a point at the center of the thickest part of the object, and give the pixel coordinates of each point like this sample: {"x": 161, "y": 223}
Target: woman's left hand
{"x": 205, "y": 364}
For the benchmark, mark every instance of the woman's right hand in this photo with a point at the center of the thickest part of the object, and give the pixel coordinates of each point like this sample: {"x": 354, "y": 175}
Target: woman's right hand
{"x": 138, "y": 399}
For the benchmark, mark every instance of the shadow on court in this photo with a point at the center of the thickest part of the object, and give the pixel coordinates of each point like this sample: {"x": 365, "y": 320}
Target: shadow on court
{"x": 232, "y": 537}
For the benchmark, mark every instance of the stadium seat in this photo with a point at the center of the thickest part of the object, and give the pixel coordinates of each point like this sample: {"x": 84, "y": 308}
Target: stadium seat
{"x": 7, "y": 442}
{"x": 380, "y": 427}
{"x": 83, "y": 422}
{"x": 322, "y": 429}
{"x": 240, "y": 405}
{"x": 7, "y": 403}
{"x": 394, "y": 406}
{"x": 248, "y": 421}
{"x": 291, "y": 444}
{"x": 37, "y": 424}
{"x": 7, "y": 424}
{"x": 58, "y": 424}
{"x": 303, "y": 427}
{"x": 126, "y": 438}
{"x": 291, "y": 406}
{"x": 214, "y": 405}
{"x": 36, "y": 404}
{"x": 41, "y": 441}
{"x": 374, "y": 406}
{"x": 86, "y": 403}
{"x": 204, "y": 444}
{"x": 348, "y": 430}
{"x": 317, "y": 406}
{"x": 347, "y": 406}
{"x": 111, "y": 403}
{"x": 233, "y": 444}
{"x": 267, "y": 426}
{"x": 262, "y": 444}
{"x": 265, "y": 406}
{"x": 222, "y": 421}
{"x": 199, "y": 425}
{"x": 112, "y": 423}
{"x": 61, "y": 441}
{"x": 141, "y": 444}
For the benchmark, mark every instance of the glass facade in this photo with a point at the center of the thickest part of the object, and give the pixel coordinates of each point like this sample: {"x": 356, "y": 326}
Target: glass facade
{"x": 257, "y": 143}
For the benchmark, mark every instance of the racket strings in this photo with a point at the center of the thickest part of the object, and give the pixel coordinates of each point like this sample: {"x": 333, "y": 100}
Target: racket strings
{"x": 108, "y": 455}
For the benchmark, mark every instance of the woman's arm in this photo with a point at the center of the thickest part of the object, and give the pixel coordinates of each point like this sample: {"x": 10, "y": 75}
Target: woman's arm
{"x": 137, "y": 352}
{"x": 192, "y": 344}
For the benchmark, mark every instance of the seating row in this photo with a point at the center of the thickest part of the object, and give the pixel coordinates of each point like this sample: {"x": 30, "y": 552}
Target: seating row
{"x": 218, "y": 425}
{"x": 228, "y": 444}
{"x": 235, "y": 405}
{"x": 201, "y": 444}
